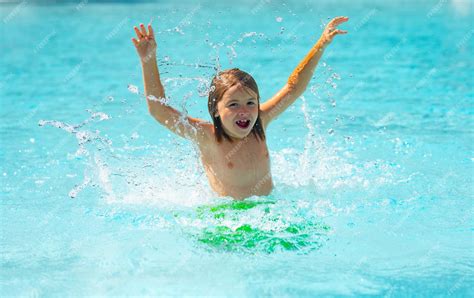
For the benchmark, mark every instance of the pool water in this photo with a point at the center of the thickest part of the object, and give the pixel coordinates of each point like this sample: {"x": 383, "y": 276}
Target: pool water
{"x": 373, "y": 166}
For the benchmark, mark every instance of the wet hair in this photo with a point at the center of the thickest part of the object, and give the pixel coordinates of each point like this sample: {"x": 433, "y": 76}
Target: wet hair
{"x": 222, "y": 82}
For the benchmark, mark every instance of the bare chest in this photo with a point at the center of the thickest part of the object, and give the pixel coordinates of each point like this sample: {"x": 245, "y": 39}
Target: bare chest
{"x": 241, "y": 163}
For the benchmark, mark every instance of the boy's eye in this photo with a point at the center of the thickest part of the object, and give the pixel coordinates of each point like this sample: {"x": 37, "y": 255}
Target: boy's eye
{"x": 251, "y": 103}
{"x": 233, "y": 105}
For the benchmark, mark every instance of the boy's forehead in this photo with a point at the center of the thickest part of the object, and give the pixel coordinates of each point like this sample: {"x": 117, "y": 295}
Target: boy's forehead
{"x": 239, "y": 90}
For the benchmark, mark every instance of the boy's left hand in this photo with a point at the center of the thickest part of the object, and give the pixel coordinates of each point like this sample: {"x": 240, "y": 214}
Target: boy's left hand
{"x": 145, "y": 42}
{"x": 331, "y": 29}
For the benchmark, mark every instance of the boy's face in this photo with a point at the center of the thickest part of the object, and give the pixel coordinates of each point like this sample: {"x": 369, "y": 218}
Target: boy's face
{"x": 238, "y": 111}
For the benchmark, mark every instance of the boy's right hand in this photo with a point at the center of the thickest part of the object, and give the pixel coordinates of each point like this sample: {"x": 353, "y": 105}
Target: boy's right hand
{"x": 145, "y": 44}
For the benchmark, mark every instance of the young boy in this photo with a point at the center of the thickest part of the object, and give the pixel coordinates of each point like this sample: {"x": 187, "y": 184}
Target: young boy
{"x": 233, "y": 148}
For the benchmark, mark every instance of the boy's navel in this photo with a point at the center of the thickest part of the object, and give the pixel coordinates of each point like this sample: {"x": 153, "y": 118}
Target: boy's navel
{"x": 230, "y": 165}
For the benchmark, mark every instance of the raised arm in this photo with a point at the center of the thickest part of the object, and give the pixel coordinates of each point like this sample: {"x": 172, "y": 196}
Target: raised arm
{"x": 187, "y": 127}
{"x": 301, "y": 76}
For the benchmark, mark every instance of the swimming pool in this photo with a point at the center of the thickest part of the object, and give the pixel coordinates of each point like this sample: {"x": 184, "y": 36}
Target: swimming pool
{"x": 373, "y": 167}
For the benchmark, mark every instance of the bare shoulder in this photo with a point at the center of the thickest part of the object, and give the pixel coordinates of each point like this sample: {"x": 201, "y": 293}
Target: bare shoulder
{"x": 205, "y": 136}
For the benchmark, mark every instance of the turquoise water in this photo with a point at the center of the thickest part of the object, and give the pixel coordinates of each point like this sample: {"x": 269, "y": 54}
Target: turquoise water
{"x": 373, "y": 167}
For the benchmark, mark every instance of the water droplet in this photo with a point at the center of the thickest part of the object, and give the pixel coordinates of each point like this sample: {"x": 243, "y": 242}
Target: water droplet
{"x": 279, "y": 19}
{"x": 133, "y": 89}
{"x": 99, "y": 115}
{"x": 32, "y": 140}
{"x": 134, "y": 136}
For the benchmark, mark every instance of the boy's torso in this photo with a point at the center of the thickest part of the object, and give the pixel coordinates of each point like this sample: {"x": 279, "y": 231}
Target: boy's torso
{"x": 239, "y": 169}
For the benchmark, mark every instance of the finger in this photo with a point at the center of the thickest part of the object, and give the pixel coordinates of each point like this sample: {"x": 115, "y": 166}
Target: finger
{"x": 336, "y": 32}
{"x": 135, "y": 42}
{"x": 143, "y": 30}
{"x": 342, "y": 20}
{"x": 152, "y": 33}
{"x": 139, "y": 34}
{"x": 338, "y": 20}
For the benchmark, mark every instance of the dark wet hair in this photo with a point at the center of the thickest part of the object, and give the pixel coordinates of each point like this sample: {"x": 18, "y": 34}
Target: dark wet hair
{"x": 223, "y": 81}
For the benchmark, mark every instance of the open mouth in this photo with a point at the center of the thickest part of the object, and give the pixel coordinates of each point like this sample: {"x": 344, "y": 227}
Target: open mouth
{"x": 243, "y": 123}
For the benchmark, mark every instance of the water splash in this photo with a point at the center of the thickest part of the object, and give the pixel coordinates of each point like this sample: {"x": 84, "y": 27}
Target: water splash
{"x": 82, "y": 136}
{"x": 78, "y": 188}
{"x": 231, "y": 47}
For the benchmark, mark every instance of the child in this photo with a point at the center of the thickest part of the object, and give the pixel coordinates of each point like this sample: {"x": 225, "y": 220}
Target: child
{"x": 233, "y": 148}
